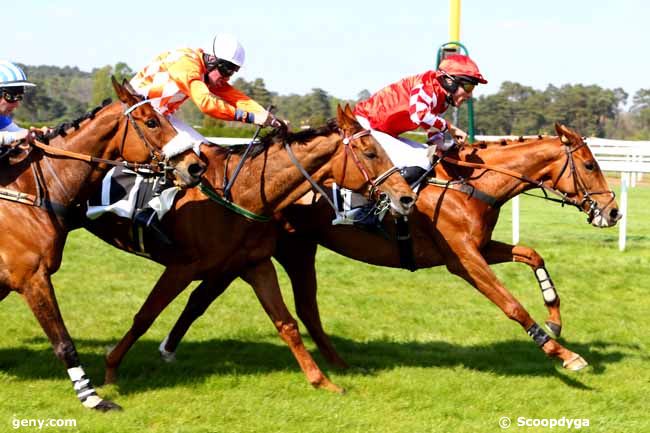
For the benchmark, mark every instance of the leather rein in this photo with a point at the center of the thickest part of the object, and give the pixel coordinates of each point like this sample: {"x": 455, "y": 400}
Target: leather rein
{"x": 579, "y": 184}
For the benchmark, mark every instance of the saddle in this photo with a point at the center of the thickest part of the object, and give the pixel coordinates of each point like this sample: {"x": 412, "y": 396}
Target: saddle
{"x": 14, "y": 153}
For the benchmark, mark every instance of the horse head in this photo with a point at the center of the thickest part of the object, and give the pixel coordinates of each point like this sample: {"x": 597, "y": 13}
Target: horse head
{"x": 580, "y": 178}
{"x": 374, "y": 168}
{"x": 159, "y": 140}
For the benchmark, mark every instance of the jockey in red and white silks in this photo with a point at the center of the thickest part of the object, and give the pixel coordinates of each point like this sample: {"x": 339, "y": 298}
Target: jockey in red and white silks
{"x": 416, "y": 102}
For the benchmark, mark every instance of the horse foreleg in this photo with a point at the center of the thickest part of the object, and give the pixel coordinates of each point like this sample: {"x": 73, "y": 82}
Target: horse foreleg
{"x": 264, "y": 280}
{"x": 499, "y": 252}
{"x": 468, "y": 263}
{"x": 298, "y": 256}
{"x": 39, "y": 295}
{"x": 200, "y": 299}
{"x": 170, "y": 284}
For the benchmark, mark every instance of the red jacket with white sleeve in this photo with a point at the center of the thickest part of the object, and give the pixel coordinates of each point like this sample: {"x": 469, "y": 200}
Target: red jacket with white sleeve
{"x": 411, "y": 103}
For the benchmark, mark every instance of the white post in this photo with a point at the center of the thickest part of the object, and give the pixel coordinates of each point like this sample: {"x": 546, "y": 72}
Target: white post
{"x": 515, "y": 220}
{"x": 622, "y": 225}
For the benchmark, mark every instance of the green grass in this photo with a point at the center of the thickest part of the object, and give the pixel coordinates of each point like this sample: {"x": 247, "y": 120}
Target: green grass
{"x": 429, "y": 353}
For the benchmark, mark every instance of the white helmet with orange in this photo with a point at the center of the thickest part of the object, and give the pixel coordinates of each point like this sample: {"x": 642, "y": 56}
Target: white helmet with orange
{"x": 226, "y": 47}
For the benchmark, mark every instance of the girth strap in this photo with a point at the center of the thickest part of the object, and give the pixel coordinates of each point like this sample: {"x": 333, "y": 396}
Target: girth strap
{"x": 404, "y": 243}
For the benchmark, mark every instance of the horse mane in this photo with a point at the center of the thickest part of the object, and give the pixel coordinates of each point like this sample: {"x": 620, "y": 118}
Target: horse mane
{"x": 282, "y": 135}
{"x": 484, "y": 144}
{"x": 62, "y": 128}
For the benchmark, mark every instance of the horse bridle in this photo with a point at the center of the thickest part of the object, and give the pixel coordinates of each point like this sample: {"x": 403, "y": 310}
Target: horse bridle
{"x": 158, "y": 159}
{"x": 346, "y": 140}
{"x": 579, "y": 184}
{"x": 374, "y": 184}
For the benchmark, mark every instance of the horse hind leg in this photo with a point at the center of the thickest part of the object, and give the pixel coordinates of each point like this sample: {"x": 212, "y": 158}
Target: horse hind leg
{"x": 470, "y": 265}
{"x": 264, "y": 280}
{"x": 200, "y": 299}
{"x": 498, "y": 252}
{"x": 40, "y": 297}
{"x": 172, "y": 282}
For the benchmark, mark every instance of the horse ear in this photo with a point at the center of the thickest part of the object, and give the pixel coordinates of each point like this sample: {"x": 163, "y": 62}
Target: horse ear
{"x": 342, "y": 116}
{"x": 122, "y": 93}
{"x": 348, "y": 111}
{"x": 564, "y": 132}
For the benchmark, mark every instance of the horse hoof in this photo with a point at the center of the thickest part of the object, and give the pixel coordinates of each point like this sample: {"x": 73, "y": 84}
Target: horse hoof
{"x": 329, "y": 386}
{"x": 576, "y": 363}
{"x": 554, "y": 329}
{"x": 168, "y": 357}
{"x": 107, "y": 405}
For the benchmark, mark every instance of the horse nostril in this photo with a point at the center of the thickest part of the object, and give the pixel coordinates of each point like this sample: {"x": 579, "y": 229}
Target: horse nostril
{"x": 613, "y": 214}
{"x": 406, "y": 201}
{"x": 196, "y": 169}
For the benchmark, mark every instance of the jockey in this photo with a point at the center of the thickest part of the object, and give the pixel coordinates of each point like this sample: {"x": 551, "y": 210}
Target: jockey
{"x": 176, "y": 76}
{"x": 418, "y": 102}
{"x": 12, "y": 88}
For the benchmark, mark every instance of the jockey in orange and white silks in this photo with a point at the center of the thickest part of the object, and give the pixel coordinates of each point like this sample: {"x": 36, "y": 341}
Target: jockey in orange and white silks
{"x": 12, "y": 89}
{"x": 176, "y": 76}
{"x": 170, "y": 80}
{"x": 418, "y": 102}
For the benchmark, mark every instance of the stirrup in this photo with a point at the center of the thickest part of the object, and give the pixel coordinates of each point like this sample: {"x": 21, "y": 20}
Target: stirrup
{"x": 148, "y": 219}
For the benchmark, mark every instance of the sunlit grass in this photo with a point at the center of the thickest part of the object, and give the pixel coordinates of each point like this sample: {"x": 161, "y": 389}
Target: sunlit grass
{"x": 429, "y": 353}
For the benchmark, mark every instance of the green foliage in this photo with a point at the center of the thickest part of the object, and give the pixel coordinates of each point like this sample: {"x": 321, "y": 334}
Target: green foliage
{"x": 428, "y": 352}
{"x": 522, "y": 110}
{"x": 516, "y": 109}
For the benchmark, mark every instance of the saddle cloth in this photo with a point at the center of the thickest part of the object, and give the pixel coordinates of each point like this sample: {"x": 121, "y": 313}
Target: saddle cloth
{"x": 124, "y": 192}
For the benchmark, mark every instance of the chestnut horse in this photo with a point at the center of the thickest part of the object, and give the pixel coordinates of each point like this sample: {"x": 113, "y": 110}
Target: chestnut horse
{"x": 214, "y": 244}
{"x": 40, "y": 191}
{"x": 448, "y": 227}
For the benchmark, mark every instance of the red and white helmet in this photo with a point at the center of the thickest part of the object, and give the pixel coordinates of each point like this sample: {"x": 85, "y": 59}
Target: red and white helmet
{"x": 461, "y": 65}
{"x": 226, "y": 47}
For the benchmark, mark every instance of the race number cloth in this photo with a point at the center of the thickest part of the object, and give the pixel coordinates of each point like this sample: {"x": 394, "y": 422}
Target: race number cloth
{"x": 124, "y": 191}
{"x": 401, "y": 151}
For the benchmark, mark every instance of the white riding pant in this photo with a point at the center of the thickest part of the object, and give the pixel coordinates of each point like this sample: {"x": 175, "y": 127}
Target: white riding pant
{"x": 401, "y": 151}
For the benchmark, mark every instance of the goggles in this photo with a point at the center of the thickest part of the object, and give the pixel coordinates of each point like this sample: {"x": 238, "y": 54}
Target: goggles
{"x": 226, "y": 68}
{"x": 467, "y": 87}
{"x": 12, "y": 97}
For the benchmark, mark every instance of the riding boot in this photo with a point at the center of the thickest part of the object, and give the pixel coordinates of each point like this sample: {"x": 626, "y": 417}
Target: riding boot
{"x": 147, "y": 218}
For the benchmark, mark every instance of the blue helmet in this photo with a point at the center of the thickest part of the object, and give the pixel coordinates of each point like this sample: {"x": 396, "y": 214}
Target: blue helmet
{"x": 12, "y": 75}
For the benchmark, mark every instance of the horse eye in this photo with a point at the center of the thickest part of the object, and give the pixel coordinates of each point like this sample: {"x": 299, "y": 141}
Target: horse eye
{"x": 152, "y": 123}
{"x": 589, "y": 165}
{"x": 369, "y": 154}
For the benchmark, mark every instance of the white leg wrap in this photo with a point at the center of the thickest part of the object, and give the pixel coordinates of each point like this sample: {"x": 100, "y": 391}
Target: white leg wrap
{"x": 84, "y": 389}
{"x": 548, "y": 289}
{"x": 164, "y": 354}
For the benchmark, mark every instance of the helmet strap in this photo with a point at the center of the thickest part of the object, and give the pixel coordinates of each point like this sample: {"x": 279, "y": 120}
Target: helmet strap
{"x": 450, "y": 85}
